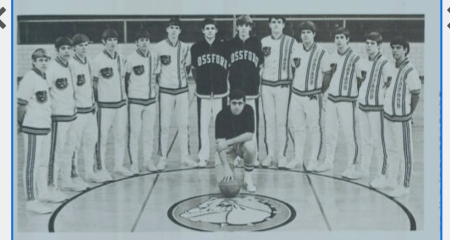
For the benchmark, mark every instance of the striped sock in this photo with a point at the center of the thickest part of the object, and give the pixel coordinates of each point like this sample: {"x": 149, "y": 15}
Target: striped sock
{"x": 248, "y": 167}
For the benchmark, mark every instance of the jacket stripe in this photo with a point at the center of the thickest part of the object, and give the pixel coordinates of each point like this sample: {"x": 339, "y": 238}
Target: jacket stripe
{"x": 35, "y": 131}
{"x": 370, "y": 107}
{"x": 306, "y": 93}
{"x": 144, "y": 102}
{"x": 341, "y": 98}
{"x": 394, "y": 118}
{"x": 112, "y": 104}
{"x": 86, "y": 110}
{"x": 276, "y": 83}
{"x": 173, "y": 91}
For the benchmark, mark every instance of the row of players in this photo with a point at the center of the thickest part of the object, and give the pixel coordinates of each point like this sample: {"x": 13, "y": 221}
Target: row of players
{"x": 75, "y": 102}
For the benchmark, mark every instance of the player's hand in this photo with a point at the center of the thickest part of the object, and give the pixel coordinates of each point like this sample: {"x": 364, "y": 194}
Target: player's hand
{"x": 221, "y": 145}
{"x": 228, "y": 175}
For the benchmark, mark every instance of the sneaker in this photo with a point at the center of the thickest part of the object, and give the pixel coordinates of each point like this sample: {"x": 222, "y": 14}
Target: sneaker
{"x": 326, "y": 166}
{"x": 217, "y": 162}
{"x": 54, "y": 195}
{"x": 94, "y": 177}
{"x": 359, "y": 173}
{"x": 349, "y": 172}
{"x": 69, "y": 185}
{"x": 37, "y": 207}
{"x": 123, "y": 171}
{"x": 379, "y": 182}
{"x": 134, "y": 168}
{"x": 236, "y": 162}
{"x": 150, "y": 166}
{"x": 267, "y": 161}
{"x": 105, "y": 175}
{"x": 257, "y": 163}
{"x": 282, "y": 162}
{"x": 312, "y": 165}
{"x": 80, "y": 182}
{"x": 248, "y": 184}
{"x": 292, "y": 164}
{"x": 202, "y": 163}
{"x": 161, "y": 164}
{"x": 399, "y": 192}
{"x": 190, "y": 163}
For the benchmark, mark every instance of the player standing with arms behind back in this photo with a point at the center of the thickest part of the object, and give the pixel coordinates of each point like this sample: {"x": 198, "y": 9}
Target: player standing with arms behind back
{"x": 276, "y": 84}
{"x": 210, "y": 70}
{"x": 246, "y": 59}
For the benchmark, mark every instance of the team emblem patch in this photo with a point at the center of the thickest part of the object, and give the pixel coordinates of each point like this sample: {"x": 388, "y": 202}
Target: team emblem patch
{"x": 61, "y": 83}
{"x": 165, "y": 59}
{"x": 138, "y": 70}
{"x": 333, "y": 67}
{"x": 297, "y": 62}
{"x": 245, "y": 212}
{"x": 107, "y": 73}
{"x": 266, "y": 51}
{"x": 81, "y": 80}
{"x": 363, "y": 75}
{"x": 41, "y": 96}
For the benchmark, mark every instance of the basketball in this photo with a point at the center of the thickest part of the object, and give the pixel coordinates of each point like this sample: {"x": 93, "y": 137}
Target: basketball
{"x": 229, "y": 189}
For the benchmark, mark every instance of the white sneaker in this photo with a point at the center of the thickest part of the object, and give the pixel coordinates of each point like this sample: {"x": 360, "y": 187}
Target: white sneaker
{"x": 70, "y": 185}
{"x": 80, "y": 182}
{"x": 292, "y": 164}
{"x": 54, "y": 195}
{"x": 151, "y": 166}
{"x": 105, "y": 175}
{"x": 326, "y": 166}
{"x": 379, "y": 182}
{"x": 399, "y": 192}
{"x": 312, "y": 165}
{"x": 236, "y": 162}
{"x": 267, "y": 161}
{"x": 349, "y": 173}
{"x": 248, "y": 184}
{"x": 217, "y": 162}
{"x": 37, "y": 207}
{"x": 282, "y": 162}
{"x": 257, "y": 163}
{"x": 134, "y": 168}
{"x": 123, "y": 171}
{"x": 94, "y": 177}
{"x": 161, "y": 164}
{"x": 189, "y": 162}
{"x": 202, "y": 163}
{"x": 359, "y": 173}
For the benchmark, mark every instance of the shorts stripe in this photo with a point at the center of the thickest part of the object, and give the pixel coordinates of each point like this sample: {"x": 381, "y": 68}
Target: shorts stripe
{"x": 99, "y": 142}
{"x": 287, "y": 123}
{"x": 355, "y": 159}
{"x": 320, "y": 125}
{"x": 29, "y": 172}
{"x": 51, "y": 164}
{"x": 129, "y": 133}
{"x": 383, "y": 144}
{"x": 199, "y": 124}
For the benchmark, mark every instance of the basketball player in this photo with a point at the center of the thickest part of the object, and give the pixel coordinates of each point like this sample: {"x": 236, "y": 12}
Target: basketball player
{"x": 402, "y": 96}
{"x": 174, "y": 56}
{"x": 109, "y": 92}
{"x": 342, "y": 96}
{"x": 276, "y": 83}
{"x": 63, "y": 115}
{"x": 371, "y": 100}
{"x": 84, "y": 131}
{"x": 34, "y": 118}
{"x": 246, "y": 59}
{"x": 312, "y": 67}
{"x": 140, "y": 81}
{"x": 210, "y": 70}
{"x": 235, "y": 127}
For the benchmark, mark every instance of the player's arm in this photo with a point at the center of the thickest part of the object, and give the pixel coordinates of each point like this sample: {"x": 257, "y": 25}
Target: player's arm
{"x": 127, "y": 81}
{"x": 360, "y": 74}
{"x": 24, "y": 93}
{"x": 414, "y": 88}
{"x": 220, "y": 132}
{"x": 95, "y": 79}
{"x": 327, "y": 71}
{"x": 414, "y": 101}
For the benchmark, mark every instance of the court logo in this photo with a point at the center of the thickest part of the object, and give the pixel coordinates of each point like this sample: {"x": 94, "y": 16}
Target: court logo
{"x": 245, "y": 212}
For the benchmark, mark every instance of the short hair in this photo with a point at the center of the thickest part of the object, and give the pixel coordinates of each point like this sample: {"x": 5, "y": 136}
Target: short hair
{"x": 244, "y": 19}
{"x": 141, "y": 34}
{"x": 109, "y": 33}
{"x": 277, "y": 17}
{"x": 175, "y": 21}
{"x": 375, "y": 36}
{"x": 308, "y": 25}
{"x": 39, "y": 53}
{"x": 401, "y": 41}
{"x": 208, "y": 21}
{"x": 341, "y": 30}
{"x": 79, "y": 38}
{"x": 61, "y": 41}
{"x": 236, "y": 95}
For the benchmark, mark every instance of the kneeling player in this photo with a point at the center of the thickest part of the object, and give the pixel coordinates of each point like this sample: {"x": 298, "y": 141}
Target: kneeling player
{"x": 234, "y": 133}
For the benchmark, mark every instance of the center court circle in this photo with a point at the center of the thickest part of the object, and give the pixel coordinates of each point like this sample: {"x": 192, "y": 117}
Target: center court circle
{"x": 245, "y": 212}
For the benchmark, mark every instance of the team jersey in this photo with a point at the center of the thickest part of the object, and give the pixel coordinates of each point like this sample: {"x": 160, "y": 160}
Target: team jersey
{"x": 397, "y": 102}
{"x": 210, "y": 62}
{"x": 82, "y": 75}
{"x": 310, "y": 66}
{"x": 109, "y": 72}
{"x": 142, "y": 70}
{"x": 277, "y": 60}
{"x": 62, "y": 92}
{"x": 246, "y": 58}
{"x": 375, "y": 73}
{"x": 174, "y": 59}
{"x": 33, "y": 92}
{"x": 343, "y": 85}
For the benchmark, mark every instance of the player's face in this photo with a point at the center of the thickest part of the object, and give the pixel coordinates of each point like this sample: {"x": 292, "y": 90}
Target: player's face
{"x": 81, "y": 48}
{"x": 173, "y": 31}
{"x": 244, "y": 30}
{"x": 65, "y": 52}
{"x": 398, "y": 52}
{"x": 237, "y": 105}
{"x": 371, "y": 47}
{"x": 210, "y": 31}
{"x": 41, "y": 63}
{"x": 276, "y": 25}
{"x": 307, "y": 36}
{"x": 143, "y": 44}
{"x": 110, "y": 44}
{"x": 340, "y": 40}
